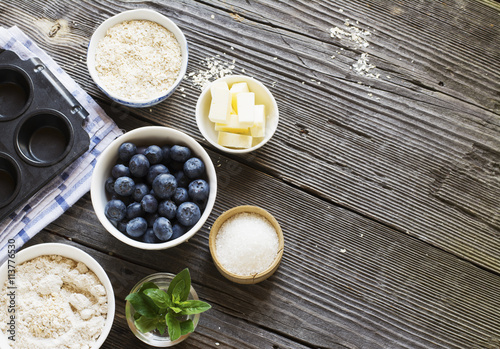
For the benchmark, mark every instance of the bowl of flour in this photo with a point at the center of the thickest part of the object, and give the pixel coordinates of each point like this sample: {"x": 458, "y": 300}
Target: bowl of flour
{"x": 138, "y": 57}
{"x": 58, "y": 297}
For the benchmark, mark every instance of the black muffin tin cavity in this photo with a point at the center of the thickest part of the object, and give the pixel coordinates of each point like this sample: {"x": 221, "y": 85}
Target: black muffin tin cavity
{"x": 41, "y": 129}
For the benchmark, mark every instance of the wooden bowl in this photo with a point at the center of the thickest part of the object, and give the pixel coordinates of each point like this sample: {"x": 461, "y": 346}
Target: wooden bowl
{"x": 254, "y": 278}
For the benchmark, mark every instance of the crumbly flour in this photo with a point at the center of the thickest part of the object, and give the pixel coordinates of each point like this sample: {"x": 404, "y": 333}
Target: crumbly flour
{"x": 60, "y": 303}
{"x": 138, "y": 60}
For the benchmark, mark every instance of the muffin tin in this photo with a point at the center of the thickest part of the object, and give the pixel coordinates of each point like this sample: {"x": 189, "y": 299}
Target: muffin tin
{"x": 41, "y": 129}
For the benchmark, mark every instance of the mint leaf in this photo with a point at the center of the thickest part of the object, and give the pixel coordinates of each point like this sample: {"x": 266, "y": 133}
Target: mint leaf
{"x": 176, "y": 309}
{"x": 145, "y": 324}
{"x": 174, "y": 327}
{"x": 161, "y": 326}
{"x": 178, "y": 291}
{"x": 147, "y": 285}
{"x": 193, "y": 307}
{"x": 182, "y": 276}
{"x": 186, "y": 327}
{"x": 151, "y": 304}
{"x": 159, "y": 297}
{"x": 143, "y": 305}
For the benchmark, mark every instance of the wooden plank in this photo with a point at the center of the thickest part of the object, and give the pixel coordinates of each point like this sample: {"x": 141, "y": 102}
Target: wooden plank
{"x": 388, "y": 144}
{"x": 423, "y": 158}
{"x": 345, "y": 280}
{"x": 208, "y": 334}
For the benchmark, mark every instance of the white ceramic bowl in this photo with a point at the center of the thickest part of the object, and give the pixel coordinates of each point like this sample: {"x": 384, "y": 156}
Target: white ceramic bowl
{"x": 140, "y": 14}
{"x": 146, "y": 136}
{"x": 262, "y": 96}
{"x": 76, "y": 254}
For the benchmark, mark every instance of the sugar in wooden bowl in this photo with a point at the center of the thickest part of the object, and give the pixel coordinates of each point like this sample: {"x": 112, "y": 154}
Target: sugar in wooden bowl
{"x": 246, "y": 244}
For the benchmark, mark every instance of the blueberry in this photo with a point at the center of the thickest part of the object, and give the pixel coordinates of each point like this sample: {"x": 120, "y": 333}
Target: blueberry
{"x": 180, "y": 196}
{"x": 154, "y": 171}
{"x": 151, "y": 218}
{"x": 137, "y": 227}
{"x": 154, "y": 154}
{"x": 198, "y": 190}
{"x": 167, "y": 209}
{"x": 139, "y": 165}
{"x": 194, "y": 168}
{"x": 126, "y": 151}
{"x": 109, "y": 185}
{"x": 149, "y": 203}
{"x": 134, "y": 210}
{"x": 180, "y": 153}
{"x": 182, "y": 179}
{"x": 188, "y": 213}
{"x": 120, "y": 170}
{"x": 124, "y": 186}
{"x": 164, "y": 186}
{"x": 165, "y": 151}
{"x": 122, "y": 226}
{"x": 162, "y": 229}
{"x": 177, "y": 231}
{"x": 140, "y": 190}
{"x": 115, "y": 210}
{"x": 150, "y": 237}
{"x": 125, "y": 199}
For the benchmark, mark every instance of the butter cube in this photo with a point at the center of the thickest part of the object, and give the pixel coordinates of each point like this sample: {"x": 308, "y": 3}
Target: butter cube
{"x": 234, "y": 140}
{"x": 245, "y": 104}
{"x": 220, "y": 107}
{"x": 232, "y": 125}
{"x": 259, "y": 127}
{"x": 235, "y": 89}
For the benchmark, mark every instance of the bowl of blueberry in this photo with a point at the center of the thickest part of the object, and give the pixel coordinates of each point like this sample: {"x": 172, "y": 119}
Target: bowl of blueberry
{"x": 153, "y": 187}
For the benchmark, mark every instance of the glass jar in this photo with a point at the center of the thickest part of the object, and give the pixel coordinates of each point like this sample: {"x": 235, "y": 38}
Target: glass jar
{"x": 154, "y": 338}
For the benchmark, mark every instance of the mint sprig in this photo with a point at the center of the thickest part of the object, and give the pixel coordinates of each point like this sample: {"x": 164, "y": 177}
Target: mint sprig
{"x": 159, "y": 310}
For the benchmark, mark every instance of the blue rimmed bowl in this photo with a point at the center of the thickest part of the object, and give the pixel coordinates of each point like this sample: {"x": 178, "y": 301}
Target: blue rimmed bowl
{"x": 139, "y": 14}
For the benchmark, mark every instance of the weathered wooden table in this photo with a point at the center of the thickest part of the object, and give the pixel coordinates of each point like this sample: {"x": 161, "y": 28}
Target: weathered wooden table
{"x": 385, "y": 177}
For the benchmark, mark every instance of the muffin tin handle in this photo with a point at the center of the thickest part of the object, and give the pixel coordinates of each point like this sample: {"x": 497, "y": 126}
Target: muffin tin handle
{"x": 75, "y": 107}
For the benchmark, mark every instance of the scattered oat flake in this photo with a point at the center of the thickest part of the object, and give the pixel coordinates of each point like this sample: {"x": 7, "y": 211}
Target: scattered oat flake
{"x": 212, "y": 16}
{"x": 351, "y": 33}
{"x": 215, "y": 69}
{"x": 343, "y": 250}
{"x": 363, "y": 67}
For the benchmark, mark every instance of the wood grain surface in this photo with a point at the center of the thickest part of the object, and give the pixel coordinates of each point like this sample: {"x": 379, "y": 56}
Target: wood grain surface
{"x": 387, "y": 185}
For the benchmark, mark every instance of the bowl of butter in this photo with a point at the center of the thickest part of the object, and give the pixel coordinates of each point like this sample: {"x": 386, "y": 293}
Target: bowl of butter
{"x": 237, "y": 114}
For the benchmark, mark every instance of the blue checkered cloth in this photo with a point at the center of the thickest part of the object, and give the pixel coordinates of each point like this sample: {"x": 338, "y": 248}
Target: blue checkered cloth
{"x": 69, "y": 186}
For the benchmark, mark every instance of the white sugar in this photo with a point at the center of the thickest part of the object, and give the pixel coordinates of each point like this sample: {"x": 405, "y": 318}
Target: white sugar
{"x": 246, "y": 244}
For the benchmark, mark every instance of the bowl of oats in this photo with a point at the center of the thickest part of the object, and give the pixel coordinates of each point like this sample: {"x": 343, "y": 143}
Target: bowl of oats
{"x": 61, "y": 298}
{"x": 138, "y": 57}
